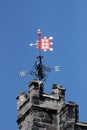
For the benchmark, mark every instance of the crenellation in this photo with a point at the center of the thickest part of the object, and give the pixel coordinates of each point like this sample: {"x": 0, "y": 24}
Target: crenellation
{"x": 40, "y": 111}
{"x": 21, "y": 99}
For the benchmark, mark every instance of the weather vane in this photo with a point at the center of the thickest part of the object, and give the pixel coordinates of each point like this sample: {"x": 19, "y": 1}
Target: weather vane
{"x": 39, "y": 70}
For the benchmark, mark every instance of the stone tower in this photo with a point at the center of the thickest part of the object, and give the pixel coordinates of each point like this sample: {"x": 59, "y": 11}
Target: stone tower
{"x": 40, "y": 111}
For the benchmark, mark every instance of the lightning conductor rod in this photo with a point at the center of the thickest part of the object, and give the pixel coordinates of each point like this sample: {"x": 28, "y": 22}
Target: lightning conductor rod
{"x": 40, "y": 67}
{"x": 39, "y": 38}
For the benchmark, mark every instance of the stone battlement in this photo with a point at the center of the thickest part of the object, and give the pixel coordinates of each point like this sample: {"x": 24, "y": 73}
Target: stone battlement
{"x": 40, "y": 111}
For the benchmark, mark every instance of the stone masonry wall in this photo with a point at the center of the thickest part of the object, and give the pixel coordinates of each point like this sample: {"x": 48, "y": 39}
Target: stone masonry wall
{"x": 44, "y": 119}
{"x": 68, "y": 116}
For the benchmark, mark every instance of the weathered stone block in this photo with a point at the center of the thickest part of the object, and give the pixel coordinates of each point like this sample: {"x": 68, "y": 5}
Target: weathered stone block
{"x": 39, "y": 124}
{"x": 35, "y": 128}
{"x": 41, "y": 114}
{"x": 46, "y": 121}
{"x": 36, "y": 119}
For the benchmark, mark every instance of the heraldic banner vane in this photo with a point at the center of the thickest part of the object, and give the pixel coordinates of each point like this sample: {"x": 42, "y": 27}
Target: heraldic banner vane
{"x": 40, "y": 71}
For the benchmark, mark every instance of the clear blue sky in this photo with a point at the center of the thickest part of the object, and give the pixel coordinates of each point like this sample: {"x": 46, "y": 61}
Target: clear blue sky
{"x": 66, "y": 21}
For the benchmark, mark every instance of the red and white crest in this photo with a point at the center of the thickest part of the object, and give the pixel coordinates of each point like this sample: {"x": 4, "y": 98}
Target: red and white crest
{"x": 45, "y": 44}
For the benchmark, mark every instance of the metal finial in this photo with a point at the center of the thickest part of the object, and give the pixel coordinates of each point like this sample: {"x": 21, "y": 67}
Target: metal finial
{"x": 39, "y": 32}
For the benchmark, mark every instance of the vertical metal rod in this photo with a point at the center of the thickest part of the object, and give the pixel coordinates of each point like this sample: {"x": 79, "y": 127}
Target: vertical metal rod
{"x": 39, "y": 38}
